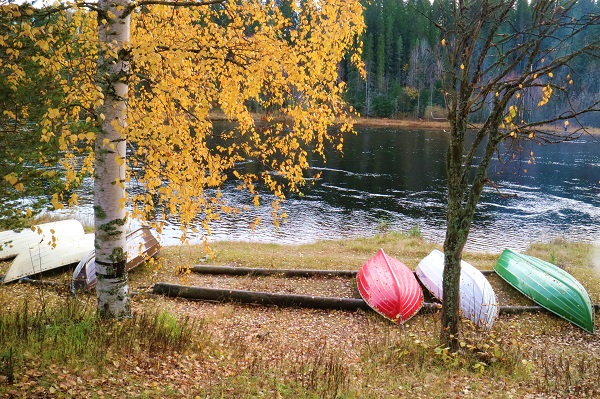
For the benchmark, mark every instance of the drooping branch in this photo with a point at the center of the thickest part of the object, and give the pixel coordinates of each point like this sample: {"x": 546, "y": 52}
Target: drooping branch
{"x": 135, "y": 5}
{"x": 177, "y": 3}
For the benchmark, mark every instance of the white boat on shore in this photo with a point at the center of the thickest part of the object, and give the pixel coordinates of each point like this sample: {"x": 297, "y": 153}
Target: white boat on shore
{"x": 141, "y": 245}
{"x": 41, "y": 256}
{"x": 13, "y": 243}
{"x": 477, "y": 297}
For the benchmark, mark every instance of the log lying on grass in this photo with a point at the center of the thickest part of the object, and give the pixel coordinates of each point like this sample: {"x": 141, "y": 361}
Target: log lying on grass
{"x": 287, "y": 300}
{"x": 265, "y": 298}
{"x": 251, "y": 271}
{"x": 42, "y": 282}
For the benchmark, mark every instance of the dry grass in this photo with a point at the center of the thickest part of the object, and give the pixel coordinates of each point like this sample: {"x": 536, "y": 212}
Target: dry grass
{"x": 240, "y": 351}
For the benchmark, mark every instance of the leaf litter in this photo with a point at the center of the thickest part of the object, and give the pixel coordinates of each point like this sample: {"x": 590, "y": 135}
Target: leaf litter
{"x": 252, "y": 351}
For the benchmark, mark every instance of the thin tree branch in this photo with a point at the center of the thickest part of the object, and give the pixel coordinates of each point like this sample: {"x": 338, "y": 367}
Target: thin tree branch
{"x": 135, "y": 5}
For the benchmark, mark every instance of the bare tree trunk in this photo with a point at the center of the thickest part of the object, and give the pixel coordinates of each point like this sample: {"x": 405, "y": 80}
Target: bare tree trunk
{"x": 456, "y": 233}
{"x": 456, "y": 237}
{"x": 479, "y": 73}
{"x": 109, "y": 181}
{"x": 462, "y": 204}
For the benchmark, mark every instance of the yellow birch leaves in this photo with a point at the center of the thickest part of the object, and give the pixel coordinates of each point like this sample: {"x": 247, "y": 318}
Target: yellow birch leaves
{"x": 546, "y": 94}
{"x": 188, "y": 63}
{"x": 13, "y": 180}
{"x": 512, "y": 113}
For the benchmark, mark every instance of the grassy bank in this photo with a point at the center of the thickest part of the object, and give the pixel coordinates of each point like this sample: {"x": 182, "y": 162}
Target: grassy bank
{"x": 419, "y": 124}
{"x": 408, "y": 123}
{"x": 51, "y": 345}
{"x": 405, "y": 123}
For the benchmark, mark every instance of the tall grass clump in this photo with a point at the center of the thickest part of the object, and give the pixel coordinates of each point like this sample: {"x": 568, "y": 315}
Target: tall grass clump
{"x": 415, "y": 232}
{"x": 70, "y": 331}
{"x": 414, "y": 353}
{"x": 567, "y": 374}
{"x": 322, "y": 370}
{"x": 313, "y": 372}
{"x": 384, "y": 225}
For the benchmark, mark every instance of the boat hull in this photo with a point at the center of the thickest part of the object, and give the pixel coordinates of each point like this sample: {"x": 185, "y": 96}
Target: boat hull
{"x": 141, "y": 245}
{"x": 390, "y": 288}
{"x": 12, "y": 243}
{"x": 42, "y": 257}
{"x": 549, "y": 286}
{"x": 477, "y": 298}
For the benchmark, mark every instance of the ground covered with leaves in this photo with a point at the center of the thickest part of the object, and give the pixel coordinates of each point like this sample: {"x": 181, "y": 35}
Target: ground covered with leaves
{"x": 52, "y": 346}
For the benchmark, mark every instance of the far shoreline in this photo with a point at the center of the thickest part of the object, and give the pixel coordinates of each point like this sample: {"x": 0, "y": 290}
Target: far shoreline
{"x": 420, "y": 124}
{"x": 415, "y": 124}
{"x": 404, "y": 123}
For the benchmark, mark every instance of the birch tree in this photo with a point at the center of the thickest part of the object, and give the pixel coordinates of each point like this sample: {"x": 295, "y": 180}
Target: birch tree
{"x": 145, "y": 75}
{"x": 485, "y": 65}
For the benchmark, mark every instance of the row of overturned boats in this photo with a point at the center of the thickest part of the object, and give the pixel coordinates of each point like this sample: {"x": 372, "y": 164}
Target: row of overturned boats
{"x": 385, "y": 284}
{"x": 58, "y": 244}
{"x": 395, "y": 292}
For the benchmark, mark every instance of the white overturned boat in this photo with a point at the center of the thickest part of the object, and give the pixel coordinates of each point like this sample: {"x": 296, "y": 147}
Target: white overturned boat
{"x": 477, "y": 297}
{"x": 12, "y": 242}
{"x": 44, "y": 256}
{"x": 141, "y": 245}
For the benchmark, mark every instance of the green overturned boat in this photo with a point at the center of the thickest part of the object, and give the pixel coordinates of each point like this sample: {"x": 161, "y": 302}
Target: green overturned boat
{"x": 548, "y": 285}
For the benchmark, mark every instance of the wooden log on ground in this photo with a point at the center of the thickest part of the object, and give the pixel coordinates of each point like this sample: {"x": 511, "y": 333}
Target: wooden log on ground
{"x": 258, "y": 297}
{"x": 265, "y": 298}
{"x": 286, "y": 300}
{"x": 42, "y": 282}
{"x": 293, "y": 300}
{"x": 251, "y": 271}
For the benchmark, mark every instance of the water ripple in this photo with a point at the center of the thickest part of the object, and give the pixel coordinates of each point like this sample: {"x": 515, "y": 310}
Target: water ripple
{"x": 401, "y": 183}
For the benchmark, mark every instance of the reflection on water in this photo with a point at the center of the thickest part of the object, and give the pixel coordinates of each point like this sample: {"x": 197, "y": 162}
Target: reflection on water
{"x": 396, "y": 179}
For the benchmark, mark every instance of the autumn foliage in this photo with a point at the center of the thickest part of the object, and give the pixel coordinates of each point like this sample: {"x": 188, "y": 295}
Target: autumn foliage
{"x": 184, "y": 63}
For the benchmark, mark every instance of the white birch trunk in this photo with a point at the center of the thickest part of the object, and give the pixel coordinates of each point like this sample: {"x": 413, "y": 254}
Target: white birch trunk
{"x": 110, "y": 216}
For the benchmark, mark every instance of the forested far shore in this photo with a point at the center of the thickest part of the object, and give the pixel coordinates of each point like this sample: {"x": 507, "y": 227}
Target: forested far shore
{"x": 403, "y": 67}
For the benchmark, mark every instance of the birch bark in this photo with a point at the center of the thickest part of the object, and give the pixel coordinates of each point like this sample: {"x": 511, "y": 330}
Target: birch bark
{"x": 109, "y": 180}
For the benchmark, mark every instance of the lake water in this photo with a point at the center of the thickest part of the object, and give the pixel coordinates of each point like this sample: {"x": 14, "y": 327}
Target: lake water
{"x": 394, "y": 180}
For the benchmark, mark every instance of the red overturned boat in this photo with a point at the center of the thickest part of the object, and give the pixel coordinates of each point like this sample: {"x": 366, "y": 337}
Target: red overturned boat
{"x": 390, "y": 288}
